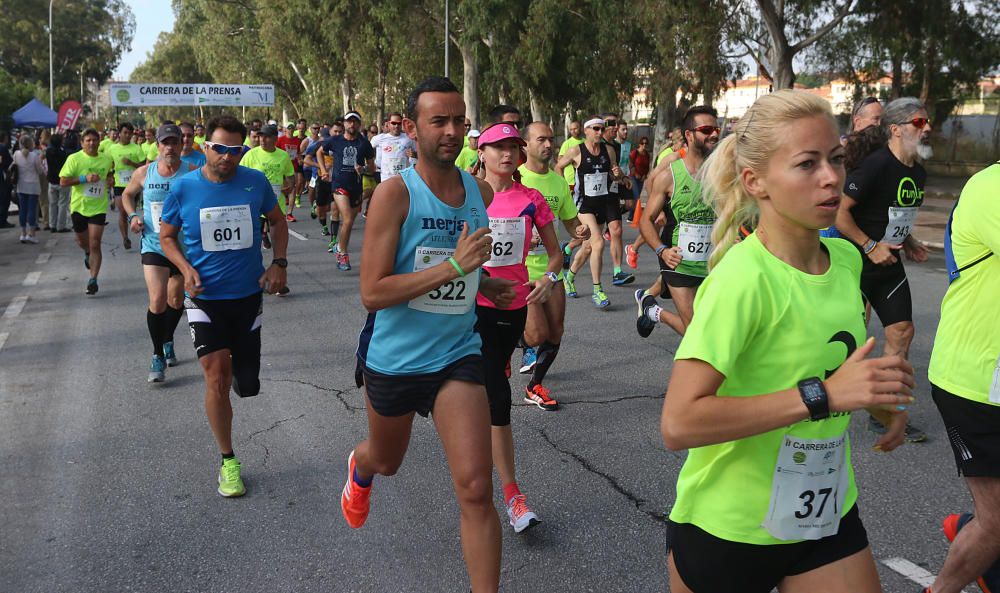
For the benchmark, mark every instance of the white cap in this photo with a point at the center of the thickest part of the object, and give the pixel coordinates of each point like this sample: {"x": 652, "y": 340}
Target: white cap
{"x": 473, "y": 133}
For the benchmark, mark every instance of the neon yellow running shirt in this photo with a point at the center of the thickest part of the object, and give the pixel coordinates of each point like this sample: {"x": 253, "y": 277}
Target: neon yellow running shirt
{"x": 766, "y": 326}
{"x": 556, "y": 192}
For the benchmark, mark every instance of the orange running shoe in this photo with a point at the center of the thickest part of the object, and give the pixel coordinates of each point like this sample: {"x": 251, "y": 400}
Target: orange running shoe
{"x": 631, "y": 257}
{"x": 354, "y": 503}
{"x": 990, "y": 580}
{"x": 539, "y": 396}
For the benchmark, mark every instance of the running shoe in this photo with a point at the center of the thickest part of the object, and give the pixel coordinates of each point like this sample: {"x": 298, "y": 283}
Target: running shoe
{"x": 298, "y": 202}
{"x": 567, "y": 255}
{"x": 570, "y": 286}
{"x": 230, "y": 483}
{"x": 528, "y": 360}
{"x": 354, "y": 500}
{"x": 331, "y": 247}
{"x": 169, "y": 355}
{"x": 265, "y": 241}
{"x": 539, "y": 396}
{"x": 290, "y": 218}
{"x": 31, "y": 239}
{"x": 622, "y": 278}
{"x": 127, "y": 243}
{"x": 284, "y": 291}
{"x": 521, "y": 517}
{"x": 343, "y": 261}
{"x": 911, "y": 435}
{"x": 607, "y": 236}
{"x": 601, "y": 300}
{"x": 86, "y": 260}
{"x": 157, "y": 368}
{"x": 631, "y": 257}
{"x": 91, "y": 287}
{"x": 312, "y": 211}
{"x": 325, "y": 231}
{"x": 990, "y": 581}
{"x": 643, "y": 324}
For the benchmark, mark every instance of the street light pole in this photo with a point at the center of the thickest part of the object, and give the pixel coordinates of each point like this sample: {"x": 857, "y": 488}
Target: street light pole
{"x": 446, "y": 41}
{"x": 52, "y": 90}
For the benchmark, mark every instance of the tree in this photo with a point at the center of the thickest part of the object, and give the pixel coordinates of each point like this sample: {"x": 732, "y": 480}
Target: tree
{"x": 767, "y": 33}
{"x": 87, "y": 34}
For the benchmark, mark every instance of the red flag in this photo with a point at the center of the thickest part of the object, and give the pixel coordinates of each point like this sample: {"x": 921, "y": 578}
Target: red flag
{"x": 69, "y": 112}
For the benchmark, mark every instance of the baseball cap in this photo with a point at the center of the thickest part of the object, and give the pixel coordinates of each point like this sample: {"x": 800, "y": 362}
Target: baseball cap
{"x": 168, "y": 131}
{"x": 269, "y": 130}
{"x": 498, "y": 132}
{"x": 473, "y": 134}
{"x": 352, "y": 115}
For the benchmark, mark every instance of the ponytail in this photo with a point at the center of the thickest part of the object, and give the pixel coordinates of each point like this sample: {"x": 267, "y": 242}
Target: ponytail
{"x": 723, "y": 191}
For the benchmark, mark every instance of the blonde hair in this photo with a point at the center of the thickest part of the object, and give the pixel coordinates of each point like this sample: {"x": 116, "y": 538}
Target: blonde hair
{"x": 755, "y": 138}
{"x": 27, "y": 143}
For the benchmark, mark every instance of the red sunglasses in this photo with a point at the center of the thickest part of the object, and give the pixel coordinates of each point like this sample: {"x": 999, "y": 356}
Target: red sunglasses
{"x": 918, "y": 122}
{"x": 707, "y": 130}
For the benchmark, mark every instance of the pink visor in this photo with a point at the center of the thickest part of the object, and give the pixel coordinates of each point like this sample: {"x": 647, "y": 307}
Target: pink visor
{"x": 499, "y": 132}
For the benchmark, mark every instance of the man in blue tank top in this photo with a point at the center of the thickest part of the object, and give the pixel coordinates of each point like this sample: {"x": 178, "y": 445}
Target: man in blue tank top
{"x": 426, "y": 240}
{"x": 163, "y": 280}
{"x": 218, "y": 207}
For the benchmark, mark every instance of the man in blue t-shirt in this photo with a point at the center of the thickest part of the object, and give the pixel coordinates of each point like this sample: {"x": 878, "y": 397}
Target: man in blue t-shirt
{"x": 352, "y": 156}
{"x": 218, "y": 207}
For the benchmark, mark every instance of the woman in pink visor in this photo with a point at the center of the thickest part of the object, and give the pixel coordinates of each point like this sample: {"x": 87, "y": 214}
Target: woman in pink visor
{"x": 516, "y": 213}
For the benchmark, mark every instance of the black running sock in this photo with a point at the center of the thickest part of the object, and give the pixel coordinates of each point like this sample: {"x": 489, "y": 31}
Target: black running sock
{"x": 334, "y": 227}
{"x": 155, "y": 322}
{"x": 546, "y": 353}
{"x": 322, "y": 220}
{"x": 229, "y": 455}
{"x": 173, "y": 317}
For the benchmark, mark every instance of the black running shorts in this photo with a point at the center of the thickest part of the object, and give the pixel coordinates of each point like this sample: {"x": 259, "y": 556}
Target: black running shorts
{"x": 324, "y": 192}
{"x": 888, "y": 291}
{"x": 353, "y": 197}
{"x": 973, "y": 431}
{"x": 234, "y": 325}
{"x": 708, "y": 564}
{"x": 118, "y": 191}
{"x": 500, "y": 329}
{"x": 151, "y": 258}
{"x": 80, "y": 221}
{"x": 677, "y": 280}
{"x": 398, "y": 395}
{"x": 606, "y": 209}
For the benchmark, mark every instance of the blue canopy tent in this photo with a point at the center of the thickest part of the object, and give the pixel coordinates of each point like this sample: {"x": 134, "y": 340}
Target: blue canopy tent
{"x": 35, "y": 114}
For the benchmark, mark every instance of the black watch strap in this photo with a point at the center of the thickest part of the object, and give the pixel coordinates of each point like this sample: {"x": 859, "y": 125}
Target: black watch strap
{"x": 280, "y": 262}
{"x": 815, "y": 398}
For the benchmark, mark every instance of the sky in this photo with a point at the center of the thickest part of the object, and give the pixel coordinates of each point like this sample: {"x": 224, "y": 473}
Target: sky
{"x": 151, "y": 18}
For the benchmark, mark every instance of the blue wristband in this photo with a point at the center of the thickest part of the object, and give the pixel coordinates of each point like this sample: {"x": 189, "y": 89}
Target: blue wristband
{"x": 83, "y": 179}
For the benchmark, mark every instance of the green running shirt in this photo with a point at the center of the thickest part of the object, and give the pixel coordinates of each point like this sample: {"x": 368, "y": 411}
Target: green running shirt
{"x": 765, "y": 326}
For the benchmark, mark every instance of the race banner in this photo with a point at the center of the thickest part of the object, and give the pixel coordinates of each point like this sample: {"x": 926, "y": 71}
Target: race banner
{"x": 69, "y": 112}
{"x": 155, "y": 94}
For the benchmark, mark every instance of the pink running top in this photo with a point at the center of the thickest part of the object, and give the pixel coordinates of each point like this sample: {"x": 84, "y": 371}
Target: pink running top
{"x": 512, "y": 214}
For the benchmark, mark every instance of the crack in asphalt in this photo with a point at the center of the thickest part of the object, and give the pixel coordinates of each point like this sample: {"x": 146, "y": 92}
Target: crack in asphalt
{"x": 267, "y": 452}
{"x": 611, "y": 480}
{"x": 338, "y": 393}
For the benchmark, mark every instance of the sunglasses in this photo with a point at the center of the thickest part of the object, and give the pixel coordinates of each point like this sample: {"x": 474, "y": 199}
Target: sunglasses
{"x": 597, "y": 128}
{"x": 224, "y": 148}
{"x": 918, "y": 122}
{"x": 707, "y": 130}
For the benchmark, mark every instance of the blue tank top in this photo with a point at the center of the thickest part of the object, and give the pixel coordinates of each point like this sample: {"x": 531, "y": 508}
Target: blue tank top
{"x": 154, "y": 191}
{"x": 430, "y": 332}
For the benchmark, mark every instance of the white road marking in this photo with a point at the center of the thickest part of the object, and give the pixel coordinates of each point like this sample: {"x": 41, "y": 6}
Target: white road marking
{"x": 3, "y": 339}
{"x": 913, "y": 572}
{"x": 296, "y": 235}
{"x": 32, "y": 278}
{"x": 910, "y": 570}
{"x": 15, "y": 306}
{"x": 43, "y": 258}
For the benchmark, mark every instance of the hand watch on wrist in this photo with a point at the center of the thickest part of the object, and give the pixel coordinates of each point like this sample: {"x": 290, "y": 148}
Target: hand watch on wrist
{"x": 552, "y": 276}
{"x": 815, "y": 398}
{"x": 280, "y": 262}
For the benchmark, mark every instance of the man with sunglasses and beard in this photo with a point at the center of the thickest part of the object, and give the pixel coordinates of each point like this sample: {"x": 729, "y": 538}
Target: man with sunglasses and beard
{"x": 218, "y": 206}
{"x": 879, "y": 208}
{"x": 684, "y": 266}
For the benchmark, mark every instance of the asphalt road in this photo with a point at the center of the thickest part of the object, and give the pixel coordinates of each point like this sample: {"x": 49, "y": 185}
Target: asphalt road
{"x": 109, "y": 483}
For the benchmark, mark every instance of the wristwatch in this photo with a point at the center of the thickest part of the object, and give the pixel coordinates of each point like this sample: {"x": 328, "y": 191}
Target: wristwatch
{"x": 815, "y": 398}
{"x": 552, "y": 276}
{"x": 280, "y": 262}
